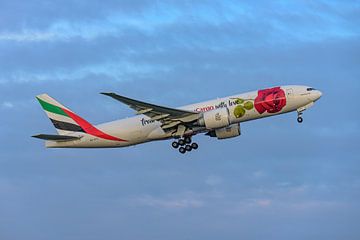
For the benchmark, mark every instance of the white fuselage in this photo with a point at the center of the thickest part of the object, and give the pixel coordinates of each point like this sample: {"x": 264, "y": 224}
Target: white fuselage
{"x": 141, "y": 129}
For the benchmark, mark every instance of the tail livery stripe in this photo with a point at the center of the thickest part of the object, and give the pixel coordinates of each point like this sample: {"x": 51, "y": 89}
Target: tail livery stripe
{"x": 90, "y": 129}
{"x": 66, "y": 126}
{"x": 51, "y": 108}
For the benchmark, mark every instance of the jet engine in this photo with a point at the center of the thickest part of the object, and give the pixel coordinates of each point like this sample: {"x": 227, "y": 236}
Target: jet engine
{"x": 215, "y": 119}
{"x": 226, "y": 132}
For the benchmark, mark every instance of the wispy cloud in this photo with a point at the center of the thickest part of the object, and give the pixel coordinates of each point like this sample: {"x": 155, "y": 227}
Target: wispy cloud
{"x": 206, "y": 34}
{"x": 202, "y": 16}
{"x": 7, "y": 105}
{"x": 214, "y": 180}
{"x": 170, "y": 202}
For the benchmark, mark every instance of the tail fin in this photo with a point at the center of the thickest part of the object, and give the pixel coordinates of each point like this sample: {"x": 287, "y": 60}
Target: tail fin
{"x": 60, "y": 116}
{"x": 66, "y": 121}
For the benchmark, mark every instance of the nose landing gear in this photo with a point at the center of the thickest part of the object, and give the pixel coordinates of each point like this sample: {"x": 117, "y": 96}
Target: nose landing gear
{"x": 185, "y": 145}
{"x": 300, "y": 119}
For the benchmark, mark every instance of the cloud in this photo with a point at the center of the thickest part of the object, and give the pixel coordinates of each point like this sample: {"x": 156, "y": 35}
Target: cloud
{"x": 316, "y": 205}
{"x": 27, "y": 36}
{"x": 214, "y": 181}
{"x": 7, "y": 105}
{"x": 38, "y": 14}
{"x": 259, "y": 174}
{"x": 180, "y": 202}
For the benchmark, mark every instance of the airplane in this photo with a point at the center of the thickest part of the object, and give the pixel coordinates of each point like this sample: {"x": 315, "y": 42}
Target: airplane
{"x": 219, "y": 118}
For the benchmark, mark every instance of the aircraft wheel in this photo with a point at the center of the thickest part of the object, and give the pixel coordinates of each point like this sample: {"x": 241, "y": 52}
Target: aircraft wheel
{"x": 182, "y": 150}
{"x": 300, "y": 119}
{"x": 187, "y": 140}
{"x": 188, "y": 148}
{"x": 175, "y": 145}
{"x": 194, "y": 146}
{"x": 182, "y": 142}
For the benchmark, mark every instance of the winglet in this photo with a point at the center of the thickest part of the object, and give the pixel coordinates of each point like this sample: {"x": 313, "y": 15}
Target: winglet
{"x": 107, "y": 94}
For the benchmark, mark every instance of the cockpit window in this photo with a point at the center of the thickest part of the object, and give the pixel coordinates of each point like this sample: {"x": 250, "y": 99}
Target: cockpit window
{"x": 310, "y": 89}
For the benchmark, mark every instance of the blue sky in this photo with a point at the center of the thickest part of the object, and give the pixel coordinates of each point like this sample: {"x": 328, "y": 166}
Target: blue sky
{"x": 279, "y": 180}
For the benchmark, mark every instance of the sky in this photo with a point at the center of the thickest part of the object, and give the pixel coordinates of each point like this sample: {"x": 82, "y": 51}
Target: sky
{"x": 279, "y": 180}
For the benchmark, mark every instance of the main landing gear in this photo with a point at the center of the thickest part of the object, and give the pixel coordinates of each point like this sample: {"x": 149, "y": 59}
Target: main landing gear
{"x": 184, "y": 145}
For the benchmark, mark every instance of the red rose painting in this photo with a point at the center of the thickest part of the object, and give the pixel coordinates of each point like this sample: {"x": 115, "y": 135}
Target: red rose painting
{"x": 271, "y": 100}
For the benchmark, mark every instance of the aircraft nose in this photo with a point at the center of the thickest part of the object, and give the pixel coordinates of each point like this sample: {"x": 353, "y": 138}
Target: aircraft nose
{"x": 317, "y": 95}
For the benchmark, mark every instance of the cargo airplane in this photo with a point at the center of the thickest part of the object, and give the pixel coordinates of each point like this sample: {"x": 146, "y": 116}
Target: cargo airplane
{"x": 219, "y": 118}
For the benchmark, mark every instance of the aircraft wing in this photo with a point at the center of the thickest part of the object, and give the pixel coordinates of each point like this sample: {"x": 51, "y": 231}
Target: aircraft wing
{"x": 170, "y": 117}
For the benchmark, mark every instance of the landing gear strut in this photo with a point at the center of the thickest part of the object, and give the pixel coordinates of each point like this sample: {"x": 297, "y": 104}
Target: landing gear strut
{"x": 185, "y": 145}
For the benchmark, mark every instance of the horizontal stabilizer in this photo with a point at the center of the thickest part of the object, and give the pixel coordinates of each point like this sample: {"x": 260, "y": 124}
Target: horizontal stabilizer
{"x": 57, "y": 138}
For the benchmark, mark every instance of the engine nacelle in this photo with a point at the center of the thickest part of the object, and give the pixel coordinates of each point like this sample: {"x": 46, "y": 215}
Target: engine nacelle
{"x": 215, "y": 119}
{"x": 231, "y": 131}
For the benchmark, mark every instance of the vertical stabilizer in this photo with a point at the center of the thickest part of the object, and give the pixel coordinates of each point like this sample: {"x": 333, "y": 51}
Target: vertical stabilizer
{"x": 59, "y": 115}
